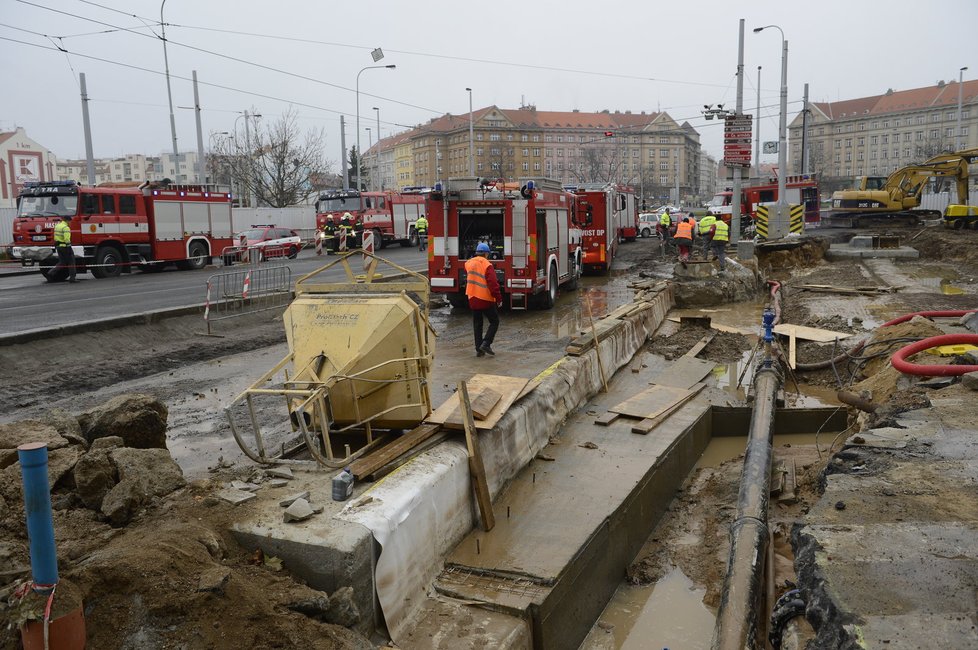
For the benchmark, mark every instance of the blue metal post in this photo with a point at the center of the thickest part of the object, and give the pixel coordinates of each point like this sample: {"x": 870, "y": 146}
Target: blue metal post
{"x": 37, "y": 504}
{"x": 768, "y": 321}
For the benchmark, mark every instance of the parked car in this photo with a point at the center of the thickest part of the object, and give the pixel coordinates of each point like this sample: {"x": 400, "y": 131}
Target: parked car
{"x": 646, "y": 223}
{"x": 271, "y": 241}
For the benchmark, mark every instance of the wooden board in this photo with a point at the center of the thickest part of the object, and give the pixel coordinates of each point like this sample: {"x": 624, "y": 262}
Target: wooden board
{"x": 476, "y": 469}
{"x": 703, "y": 342}
{"x": 686, "y": 372}
{"x": 483, "y": 402}
{"x": 449, "y": 414}
{"x": 792, "y": 348}
{"x": 810, "y": 333}
{"x": 646, "y": 425}
{"x": 720, "y": 327}
{"x": 366, "y": 466}
{"x": 651, "y": 402}
{"x": 607, "y": 418}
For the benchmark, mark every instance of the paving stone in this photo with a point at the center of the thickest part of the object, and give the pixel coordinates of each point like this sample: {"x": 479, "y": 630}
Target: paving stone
{"x": 299, "y": 510}
{"x": 243, "y": 485}
{"x": 276, "y": 483}
{"x": 280, "y": 472}
{"x": 236, "y": 496}
{"x": 288, "y": 501}
{"x": 970, "y": 380}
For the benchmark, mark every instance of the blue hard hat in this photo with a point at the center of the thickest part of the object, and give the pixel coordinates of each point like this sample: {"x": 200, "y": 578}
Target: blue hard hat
{"x": 483, "y": 247}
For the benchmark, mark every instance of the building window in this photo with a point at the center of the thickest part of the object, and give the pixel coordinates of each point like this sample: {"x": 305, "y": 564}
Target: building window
{"x": 908, "y": 136}
{"x": 920, "y": 136}
{"x": 634, "y": 153}
{"x": 848, "y": 128}
{"x": 494, "y": 151}
{"x": 848, "y": 142}
{"x": 906, "y": 152}
{"x": 920, "y": 119}
{"x": 560, "y": 138}
{"x": 886, "y": 139}
{"x": 524, "y": 138}
{"x": 861, "y": 142}
{"x": 934, "y": 133}
{"x": 548, "y": 138}
{"x": 872, "y": 155}
{"x": 494, "y": 137}
{"x": 948, "y": 133}
{"x": 479, "y": 166}
{"x": 874, "y": 140}
{"x": 526, "y": 166}
{"x": 859, "y": 156}
{"x": 848, "y": 156}
{"x": 560, "y": 165}
{"x": 663, "y": 139}
{"x": 536, "y": 152}
{"x": 478, "y": 151}
{"x": 580, "y": 152}
{"x": 560, "y": 153}
{"x": 536, "y": 138}
{"x": 509, "y": 137}
{"x": 495, "y": 167}
{"x": 478, "y": 136}
{"x": 883, "y": 154}
{"x": 838, "y": 144}
{"x": 663, "y": 180}
{"x": 526, "y": 152}
{"x": 581, "y": 138}
{"x": 964, "y": 114}
{"x": 664, "y": 166}
{"x": 964, "y": 130}
{"x": 536, "y": 166}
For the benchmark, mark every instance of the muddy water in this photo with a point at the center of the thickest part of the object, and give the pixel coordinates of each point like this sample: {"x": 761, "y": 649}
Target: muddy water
{"x": 668, "y": 614}
{"x": 671, "y": 613}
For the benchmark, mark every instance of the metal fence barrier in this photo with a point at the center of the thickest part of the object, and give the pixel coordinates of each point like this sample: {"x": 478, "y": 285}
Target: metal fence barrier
{"x": 248, "y": 290}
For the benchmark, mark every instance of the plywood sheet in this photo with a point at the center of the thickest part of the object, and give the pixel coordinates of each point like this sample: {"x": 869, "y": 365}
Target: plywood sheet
{"x": 686, "y": 372}
{"x": 367, "y": 465}
{"x": 810, "y": 333}
{"x": 508, "y": 388}
{"x": 483, "y": 401}
{"x": 651, "y": 402}
{"x": 648, "y": 424}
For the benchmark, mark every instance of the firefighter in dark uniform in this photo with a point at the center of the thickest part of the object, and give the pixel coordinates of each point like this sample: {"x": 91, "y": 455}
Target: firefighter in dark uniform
{"x": 358, "y": 230}
{"x": 62, "y": 245}
{"x": 329, "y": 234}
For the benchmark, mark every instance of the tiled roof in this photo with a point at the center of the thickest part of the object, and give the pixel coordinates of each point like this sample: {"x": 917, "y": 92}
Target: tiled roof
{"x": 6, "y": 136}
{"x": 577, "y": 119}
{"x": 900, "y": 100}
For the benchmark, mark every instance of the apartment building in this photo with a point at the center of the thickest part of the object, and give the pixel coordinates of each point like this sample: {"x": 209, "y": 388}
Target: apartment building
{"x": 650, "y": 151}
{"x": 876, "y": 135}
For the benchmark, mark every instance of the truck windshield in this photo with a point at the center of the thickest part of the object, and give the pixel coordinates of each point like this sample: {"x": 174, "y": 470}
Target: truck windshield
{"x": 344, "y": 204}
{"x": 719, "y": 200}
{"x": 48, "y": 206}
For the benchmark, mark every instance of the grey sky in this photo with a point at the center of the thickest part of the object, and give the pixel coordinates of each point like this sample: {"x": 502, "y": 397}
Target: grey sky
{"x": 689, "y": 50}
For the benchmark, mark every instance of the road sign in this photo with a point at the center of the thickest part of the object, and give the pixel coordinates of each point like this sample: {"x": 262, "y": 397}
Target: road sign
{"x": 737, "y": 132}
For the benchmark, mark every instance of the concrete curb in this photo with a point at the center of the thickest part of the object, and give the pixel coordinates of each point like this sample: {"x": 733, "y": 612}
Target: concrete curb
{"x": 141, "y": 318}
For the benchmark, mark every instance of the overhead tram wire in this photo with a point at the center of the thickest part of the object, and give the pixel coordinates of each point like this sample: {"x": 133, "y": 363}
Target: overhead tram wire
{"x": 175, "y": 76}
{"x": 232, "y": 58}
{"x": 414, "y": 53}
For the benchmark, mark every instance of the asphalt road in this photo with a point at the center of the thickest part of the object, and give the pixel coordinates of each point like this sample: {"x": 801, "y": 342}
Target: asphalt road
{"x": 29, "y": 302}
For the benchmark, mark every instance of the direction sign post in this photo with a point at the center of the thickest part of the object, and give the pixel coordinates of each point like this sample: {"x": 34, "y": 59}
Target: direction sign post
{"x": 737, "y": 130}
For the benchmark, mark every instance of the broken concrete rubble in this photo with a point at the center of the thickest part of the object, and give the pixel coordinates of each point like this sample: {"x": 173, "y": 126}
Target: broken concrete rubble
{"x": 143, "y": 474}
{"x": 298, "y": 510}
{"x": 138, "y": 419}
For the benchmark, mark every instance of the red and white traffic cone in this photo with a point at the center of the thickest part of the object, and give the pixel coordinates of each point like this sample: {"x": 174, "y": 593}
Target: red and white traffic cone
{"x": 342, "y": 247}
{"x": 368, "y": 246}
{"x": 319, "y": 243}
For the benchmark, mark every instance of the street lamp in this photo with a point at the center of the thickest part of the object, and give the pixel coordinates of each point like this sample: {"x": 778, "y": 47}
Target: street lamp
{"x": 370, "y": 145}
{"x": 960, "y": 98}
{"x": 757, "y": 127}
{"x": 472, "y": 137}
{"x": 781, "y": 207}
{"x": 251, "y": 195}
{"x": 380, "y": 185}
{"x": 377, "y": 55}
{"x": 169, "y": 93}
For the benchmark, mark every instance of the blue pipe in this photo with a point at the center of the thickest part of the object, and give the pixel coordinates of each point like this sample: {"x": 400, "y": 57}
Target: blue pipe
{"x": 37, "y": 503}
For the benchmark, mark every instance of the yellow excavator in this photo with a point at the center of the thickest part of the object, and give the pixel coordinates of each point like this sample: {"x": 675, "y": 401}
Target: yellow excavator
{"x": 893, "y": 199}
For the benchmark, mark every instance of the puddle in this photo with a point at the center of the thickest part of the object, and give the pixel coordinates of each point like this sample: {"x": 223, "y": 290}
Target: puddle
{"x": 727, "y": 376}
{"x": 668, "y": 614}
{"x": 949, "y": 289}
{"x": 724, "y": 448}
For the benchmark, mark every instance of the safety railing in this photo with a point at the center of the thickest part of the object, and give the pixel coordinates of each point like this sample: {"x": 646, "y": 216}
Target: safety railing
{"x": 250, "y": 289}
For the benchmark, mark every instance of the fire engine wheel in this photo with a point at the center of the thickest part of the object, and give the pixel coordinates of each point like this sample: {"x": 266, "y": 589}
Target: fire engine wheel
{"x": 107, "y": 263}
{"x": 59, "y": 276}
{"x": 197, "y": 258}
{"x": 293, "y": 252}
{"x": 646, "y": 232}
{"x": 549, "y": 299}
{"x": 413, "y": 241}
{"x": 379, "y": 243}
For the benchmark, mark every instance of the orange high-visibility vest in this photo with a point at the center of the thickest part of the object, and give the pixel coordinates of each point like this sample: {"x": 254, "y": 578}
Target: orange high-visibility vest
{"x": 475, "y": 279}
{"x": 684, "y": 230}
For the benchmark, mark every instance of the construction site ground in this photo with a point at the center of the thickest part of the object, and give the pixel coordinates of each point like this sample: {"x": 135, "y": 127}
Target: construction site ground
{"x": 142, "y": 582}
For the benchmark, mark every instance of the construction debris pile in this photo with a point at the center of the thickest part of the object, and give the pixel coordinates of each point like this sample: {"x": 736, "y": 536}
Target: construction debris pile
{"x": 142, "y": 549}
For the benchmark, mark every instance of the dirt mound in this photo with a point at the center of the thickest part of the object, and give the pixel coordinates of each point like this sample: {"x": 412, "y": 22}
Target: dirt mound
{"x": 169, "y": 574}
{"x": 943, "y": 244}
{"x": 809, "y": 253}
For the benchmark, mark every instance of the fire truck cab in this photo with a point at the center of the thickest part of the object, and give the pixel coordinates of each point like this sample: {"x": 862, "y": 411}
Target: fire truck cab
{"x": 802, "y": 189}
{"x": 389, "y": 214}
{"x": 608, "y": 215}
{"x": 531, "y": 231}
{"x": 116, "y": 227}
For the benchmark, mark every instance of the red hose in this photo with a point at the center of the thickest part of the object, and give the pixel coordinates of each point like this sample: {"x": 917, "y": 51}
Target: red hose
{"x": 899, "y": 358}
{"x": 928, "y": 314}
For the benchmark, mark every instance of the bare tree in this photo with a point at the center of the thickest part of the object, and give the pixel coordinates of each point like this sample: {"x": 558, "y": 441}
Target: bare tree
{"x": 276, "y": 164}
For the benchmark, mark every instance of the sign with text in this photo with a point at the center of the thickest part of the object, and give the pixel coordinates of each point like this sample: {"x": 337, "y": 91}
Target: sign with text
{"x": 737, "y": 131}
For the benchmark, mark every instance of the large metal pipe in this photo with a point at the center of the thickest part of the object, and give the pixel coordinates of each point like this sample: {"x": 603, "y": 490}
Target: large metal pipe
{"x": 736, "y": 625}
{"x": 33, "y": 458}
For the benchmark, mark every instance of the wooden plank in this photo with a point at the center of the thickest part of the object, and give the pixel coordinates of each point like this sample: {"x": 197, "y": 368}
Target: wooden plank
{"x": 792, "y": 348}
{"x": 476, "y": 469}
{"x": 696, "y": 349}
{"x": 686, "y": 372}
{"x": 720, "y": 327}
{"x": 810, "y": 333}
{"x": 646, "y": 425}
{"x": 484, "y": 401}
{"x": 607, "y": 418}
{"x": 369, "y": 464}
{"x": 449, "y": 414}
{"x": 650, "y": 402}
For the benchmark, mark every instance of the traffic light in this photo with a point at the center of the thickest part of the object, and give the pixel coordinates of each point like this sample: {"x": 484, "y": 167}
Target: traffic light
{"x": 609, "y": 134}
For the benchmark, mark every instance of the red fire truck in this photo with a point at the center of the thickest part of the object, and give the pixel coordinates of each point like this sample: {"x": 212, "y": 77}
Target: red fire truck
{"x": 608, "y": 214}
{"x": 534, "y": 241}
{"x": 801, "y": 189}
{"x": 389, "y": 214}
{"x": 115, "y": 228}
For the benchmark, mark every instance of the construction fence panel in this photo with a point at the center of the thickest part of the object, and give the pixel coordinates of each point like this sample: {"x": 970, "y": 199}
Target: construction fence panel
{"x": 247, "y": 290}
{"x": 7, "y": 227}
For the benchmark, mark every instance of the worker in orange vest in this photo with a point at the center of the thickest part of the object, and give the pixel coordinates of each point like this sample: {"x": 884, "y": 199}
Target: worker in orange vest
{"x": 484, "y": 294}
{"x": 684, "y": 239}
